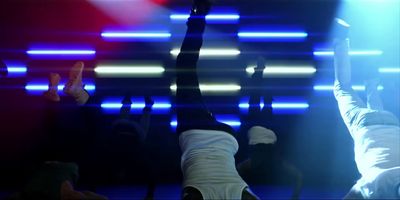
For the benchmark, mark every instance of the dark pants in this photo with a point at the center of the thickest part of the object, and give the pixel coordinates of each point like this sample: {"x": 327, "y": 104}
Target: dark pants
{"x": 257, "y": 116}
{"x": 191, "y": 110}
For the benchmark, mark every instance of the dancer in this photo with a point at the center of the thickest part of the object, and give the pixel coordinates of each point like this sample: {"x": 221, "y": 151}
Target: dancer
{"x": 208, "y": 146}
{"x": 265, "y": 164}
{"x": 127, "y": 143}
{"x": 56, "y": 179}
{"x": 3, "y": 69}
{"x": 375, "y": 132}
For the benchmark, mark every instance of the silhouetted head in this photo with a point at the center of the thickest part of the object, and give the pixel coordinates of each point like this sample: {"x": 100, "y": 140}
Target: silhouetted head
{"x": 3, "y": 68}
{"x": 261, "y": 135}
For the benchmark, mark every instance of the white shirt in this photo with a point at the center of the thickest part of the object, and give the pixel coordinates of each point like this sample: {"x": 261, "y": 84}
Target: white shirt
{"x": 377, "y": 155}
{"x": 208, "y": 164}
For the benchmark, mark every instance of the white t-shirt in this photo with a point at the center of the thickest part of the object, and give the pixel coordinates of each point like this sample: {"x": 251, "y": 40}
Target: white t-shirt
{"x": 377, "y": 155}
{"x": 208, "y": 164}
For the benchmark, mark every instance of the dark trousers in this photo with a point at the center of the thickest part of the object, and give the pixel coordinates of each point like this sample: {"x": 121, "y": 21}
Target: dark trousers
{"x": 256, "y": 115}
{"x": 191, "y": 110}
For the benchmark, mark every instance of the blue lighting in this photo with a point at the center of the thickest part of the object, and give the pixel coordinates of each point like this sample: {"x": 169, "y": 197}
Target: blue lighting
{"x": 44, "y": 87}
{"x": 272, "y": 35}
{"x": 331, "y": 87}
{"x": 111, "y": 105}
{"x": 36, "y": 87}
{"x": 210, "y": 17}
{"x": 135, "y": 35}
{"x": 61, "y": 52}
{"x": 244, "y": 105}
{"x": 351, "y": 53}
{"x": 17, "y": 69}
{"x": 386, "y": 70}
{"x": 233, "y": 123}
{"x": 283, "y": 105}
{"x": 161, "y": 105}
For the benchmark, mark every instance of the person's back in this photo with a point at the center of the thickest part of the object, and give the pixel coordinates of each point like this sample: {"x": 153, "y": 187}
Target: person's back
{"x": 375, "y": 132}
{"x": 208, "y": 164}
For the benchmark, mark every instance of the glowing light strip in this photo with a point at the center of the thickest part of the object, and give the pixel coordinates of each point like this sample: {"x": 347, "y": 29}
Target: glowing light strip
{"x": 134, "y": 35}
{"x": 129, "y": 70}
{"x": 244, "y": 105}
{"x": 43, "y": 87}
{"x": 272, "y": 35}
{"x": 17, "y": 69}
{"x": 331, "y": 87}
{"x": 157, "y": 106}
{"x": 389, "y": 70}
{"x": 214, "y": 87}
{"x": 61, "y": 52}
{"x": 279, "y": 105}
{"x": 111, "y": 105}
{"x": 162, "y": 105}
{"x": 351, "y": 53}
{"x": 289, "y": 105}
{"x": 211, "y": 52}
{"x": 233, "y": 123}
{"x": 208, "y": 17}
{"x": 284, "y": 70}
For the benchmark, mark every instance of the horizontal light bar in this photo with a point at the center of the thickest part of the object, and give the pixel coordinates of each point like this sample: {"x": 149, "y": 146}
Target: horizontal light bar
{"x": 289, "y": 105}
{"x": 331, "y": 87}
{"x": 129, "y": 70}
{"x": 17, "y": 69}
{"x": 135, "y": 35}
{"x": 244, "y": 105}
{"x": 61, "y": 52}
{"x": 162, "y": 105}
{"x": 389, "y": 70}
{"x": 277, "y": 70}
{"x": 43, "y": 87}
{"x": 279, "y": 105}
{"x": 211, "y": 52}
{"x": 233, "y": 123}
{"x": 351, "y": 53}
{"x": 272, "y": 35}
{"x": 111, "y": 105}
{"x": 136, "y": 105}
{"x": 214, "y": 87}
{"x": 208, "y": 17}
